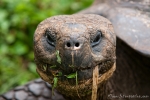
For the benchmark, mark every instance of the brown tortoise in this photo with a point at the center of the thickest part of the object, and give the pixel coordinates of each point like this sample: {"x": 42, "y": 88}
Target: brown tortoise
{"x": 85, "y": 41}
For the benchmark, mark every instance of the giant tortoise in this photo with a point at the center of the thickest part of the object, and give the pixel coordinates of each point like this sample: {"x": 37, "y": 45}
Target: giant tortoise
{"x": 81, "y": 58}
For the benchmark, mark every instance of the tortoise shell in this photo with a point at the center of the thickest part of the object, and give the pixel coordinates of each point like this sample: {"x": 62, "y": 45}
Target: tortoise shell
{"x": 130, "y": 18}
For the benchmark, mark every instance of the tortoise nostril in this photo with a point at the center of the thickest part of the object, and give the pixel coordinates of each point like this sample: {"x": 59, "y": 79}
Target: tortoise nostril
{"x": 77, "y": 44}
{"x": 73, "y": 44}
{"x": 68, "y": 44}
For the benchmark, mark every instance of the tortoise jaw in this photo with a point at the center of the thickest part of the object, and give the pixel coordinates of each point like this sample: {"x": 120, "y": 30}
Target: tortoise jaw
{"x": 69, "y": 87}
{"x": 82, "y": 73}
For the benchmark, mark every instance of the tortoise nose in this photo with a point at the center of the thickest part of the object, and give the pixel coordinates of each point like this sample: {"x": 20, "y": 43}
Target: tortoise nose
{"x": 73, "y": 44}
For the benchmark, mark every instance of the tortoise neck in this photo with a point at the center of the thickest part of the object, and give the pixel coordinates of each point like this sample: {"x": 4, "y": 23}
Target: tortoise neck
{"x": 103, "y": 91}
{"x": 131, "y": 75}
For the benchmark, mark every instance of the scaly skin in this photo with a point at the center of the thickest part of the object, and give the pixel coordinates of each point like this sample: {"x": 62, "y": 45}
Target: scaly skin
{"x": 132, "y": 74}
{"x": 84, "y": 42}
{"x": 128, "y": 78}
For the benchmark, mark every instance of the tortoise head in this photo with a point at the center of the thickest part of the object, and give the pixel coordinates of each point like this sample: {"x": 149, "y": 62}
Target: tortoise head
{"x": 69, "y": 46}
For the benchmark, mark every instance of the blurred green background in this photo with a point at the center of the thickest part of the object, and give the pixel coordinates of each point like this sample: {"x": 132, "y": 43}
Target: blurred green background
{"x": 18, "y": 21}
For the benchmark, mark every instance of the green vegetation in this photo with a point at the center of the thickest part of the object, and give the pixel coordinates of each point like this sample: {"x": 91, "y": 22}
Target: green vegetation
{"x": 58, "y": 57}
{"x": 73, "y": 75}
{"x": 55, "y": 80}
{"x": 54, "y": 66}
{"x": 70, "y": 76}
{"x": 18, "y": 21}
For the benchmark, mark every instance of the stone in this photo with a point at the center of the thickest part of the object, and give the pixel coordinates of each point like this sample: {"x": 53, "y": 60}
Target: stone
{"x": 46, "y": 92}
{"x": 9, "y": 95}
{"x": 20, "y": 88}
{"x": 31, "y": 98}
{"x": 42, "y": 98}
{"x": 48, "y": 85}
{"x": 57, "y": 96}
{"x": 21, "y": 95}
{"x": 1, "y": 98}
{"x": 38, "y": 80}
{"x": 36, "y": 89}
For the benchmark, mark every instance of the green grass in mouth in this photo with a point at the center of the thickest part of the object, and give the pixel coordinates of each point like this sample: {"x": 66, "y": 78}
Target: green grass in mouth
{"x": 70, "y": 76}
{"x": 58, "y": 57}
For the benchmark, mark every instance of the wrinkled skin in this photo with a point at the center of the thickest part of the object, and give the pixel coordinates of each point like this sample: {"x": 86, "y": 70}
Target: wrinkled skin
{"x": 133, "y": 69}
{"x": 83, "y": 42}
{"x": 130, "y": 78}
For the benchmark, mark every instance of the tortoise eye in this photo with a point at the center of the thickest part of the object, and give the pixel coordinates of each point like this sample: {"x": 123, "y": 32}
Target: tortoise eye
{"x": 49, "y": 38}
{"x": 96, "y": 39}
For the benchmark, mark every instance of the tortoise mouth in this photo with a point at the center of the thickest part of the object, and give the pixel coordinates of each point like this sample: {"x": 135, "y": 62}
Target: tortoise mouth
{"x": 82, "y": 73}
{"x": 74, "y": 86}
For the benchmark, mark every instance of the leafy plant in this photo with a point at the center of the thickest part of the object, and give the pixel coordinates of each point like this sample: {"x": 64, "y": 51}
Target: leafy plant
{"x": 55, "y": 80}
{"x": 73, "y": 75}
{"x": 54, "y": 66}
{"x": 18, "y": 21}
{"x": 58, "y": 57}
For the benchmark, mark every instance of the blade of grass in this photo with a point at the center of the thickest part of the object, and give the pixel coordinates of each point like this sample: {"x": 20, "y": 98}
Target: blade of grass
{"x": 58, "y": 57}
{"x": 53, "y": 66}
{"x": 76, "y": 78}
{"x": 72, "y": 75}
{"x": 55, "y": 80}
